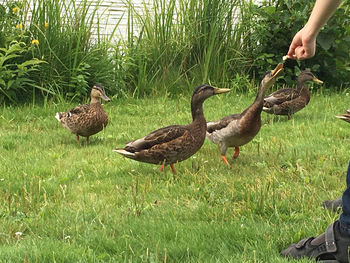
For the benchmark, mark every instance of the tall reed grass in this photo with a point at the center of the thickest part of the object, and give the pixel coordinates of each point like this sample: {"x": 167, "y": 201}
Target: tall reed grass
{"x": 170, "y": 45}
{"x": 186, "y": 42}
{"x": 75, "y": 61}
{"x": 62, "y": 33}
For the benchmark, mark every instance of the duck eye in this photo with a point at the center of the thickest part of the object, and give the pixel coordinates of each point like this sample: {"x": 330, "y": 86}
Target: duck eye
{"x": 267, "y": 73}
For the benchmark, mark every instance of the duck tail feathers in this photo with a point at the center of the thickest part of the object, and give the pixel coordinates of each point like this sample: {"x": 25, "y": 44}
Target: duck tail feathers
{"x": 58, "y": 116}
{"x": 124, "y": 152}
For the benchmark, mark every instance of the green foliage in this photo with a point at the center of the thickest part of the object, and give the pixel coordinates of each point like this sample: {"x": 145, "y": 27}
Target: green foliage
{"x": 185, "y": 42}
{"x": 14, "y": 76}
{"x": 170, "y": 45}
{"x": 61, "y": 33}
{"x": 11, "y": 27}
{"x": 76, "y": 61}
{"x": 274, "y": 23}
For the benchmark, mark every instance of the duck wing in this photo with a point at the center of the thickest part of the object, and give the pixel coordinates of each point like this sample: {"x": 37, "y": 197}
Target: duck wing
{"x": 280, "y": 96}
{"x": 81, "y": 109}
{"x": 221, "y": 124}
{"x": 160, "y": 136}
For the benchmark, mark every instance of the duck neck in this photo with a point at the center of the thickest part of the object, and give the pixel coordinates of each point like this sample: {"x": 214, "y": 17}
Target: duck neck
{"x": 300, "y": 85}
{"x": 303, "y": 91}
{"x": 95, "y": 100}
{"x": 197, "y": 111}
{"x": 259, "y": 99}
{"x": 254, "y": 110}
{"x": 302, "y": 88}
{"x": 257, "y": 105}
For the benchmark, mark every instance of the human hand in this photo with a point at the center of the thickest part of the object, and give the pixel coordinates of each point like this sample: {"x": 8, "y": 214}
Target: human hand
{"x": 303, "y": 45}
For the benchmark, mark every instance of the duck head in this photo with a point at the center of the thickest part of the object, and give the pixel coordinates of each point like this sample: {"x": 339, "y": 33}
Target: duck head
{"x": 270, "y": 77}
{"x": 306, "y": 75}
{"x": 98, "y": 93}
{"x": 200, "y": 94}
{"x": 205, "y": 91}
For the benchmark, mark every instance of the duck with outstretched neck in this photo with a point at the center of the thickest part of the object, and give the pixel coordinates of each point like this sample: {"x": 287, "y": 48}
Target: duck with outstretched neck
{"x": 238, "y": 129}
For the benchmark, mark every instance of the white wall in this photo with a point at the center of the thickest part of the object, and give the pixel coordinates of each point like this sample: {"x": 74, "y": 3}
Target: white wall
{"x": 111, "y": 12}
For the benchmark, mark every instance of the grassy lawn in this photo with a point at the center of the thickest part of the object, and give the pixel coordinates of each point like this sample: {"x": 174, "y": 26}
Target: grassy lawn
{"x": 64, "y": 202}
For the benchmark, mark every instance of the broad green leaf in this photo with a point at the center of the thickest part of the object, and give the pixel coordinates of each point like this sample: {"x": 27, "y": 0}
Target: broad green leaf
{"x": 325, "y": 41}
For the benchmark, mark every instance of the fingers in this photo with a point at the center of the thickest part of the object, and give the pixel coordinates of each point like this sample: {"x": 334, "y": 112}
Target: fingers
{"x": 303, "y": 46}
{"x": 291, "y": 51}
{"x": 300, "y": 53}
{"x": 309, "y": 50}
{"x": 303, "y": 51}
{"x": 296, "y": 43}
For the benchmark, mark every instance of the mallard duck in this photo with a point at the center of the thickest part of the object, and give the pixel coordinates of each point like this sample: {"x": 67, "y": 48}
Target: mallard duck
{"x": 288, "y": 101}
{"x": 174, "y": 143}
{"x": 345, "y": 116}
{"x": 238, "y": 129}
{"x": 87, "y": 119}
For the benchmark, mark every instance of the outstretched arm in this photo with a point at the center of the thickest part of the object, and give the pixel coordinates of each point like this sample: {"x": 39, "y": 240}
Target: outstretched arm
{"x": 304, "y": 42}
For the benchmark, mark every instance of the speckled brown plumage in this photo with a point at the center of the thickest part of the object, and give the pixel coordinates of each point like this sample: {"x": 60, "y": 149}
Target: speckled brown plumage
{"x": 345, "y": 116}
{"x": 174, "y": 143}
{"x": 87, "y": 119}
{"x": 289, "y": 101}
{"x": 238, "y": 129}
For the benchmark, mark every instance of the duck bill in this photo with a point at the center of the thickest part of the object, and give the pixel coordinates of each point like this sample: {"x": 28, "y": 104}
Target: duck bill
{"x": 277, "y": 71}
{"x": 317, "y": 80}
{"x": 219, "y": 91}
{"x": 104, "y": 97}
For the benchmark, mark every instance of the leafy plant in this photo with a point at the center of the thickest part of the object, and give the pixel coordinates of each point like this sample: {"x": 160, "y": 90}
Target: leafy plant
{"x": 76, "y": 59}
{"x": 274, "y": 23}
{"x": 10, "y": 22}
{"x": 169, "y": 45}
{"x": 14, "y": 76}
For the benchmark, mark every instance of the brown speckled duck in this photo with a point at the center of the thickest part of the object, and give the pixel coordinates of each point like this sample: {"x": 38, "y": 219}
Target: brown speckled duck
{"x": 345, "y": 116}
{"x": 288, "y": 101}
{"x": 238, "y": 129}
{"x": 174, "y": 143}
{"x": 87, "y": 119}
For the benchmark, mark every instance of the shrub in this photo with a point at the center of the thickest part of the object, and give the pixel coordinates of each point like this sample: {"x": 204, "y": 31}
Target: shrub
{"x": 17, "y": 63}
{"x": 170, "y": 45}
{"x": 14, "y": 76}
{"x": 273, "y": 25}
{"x": 61, "y": 35}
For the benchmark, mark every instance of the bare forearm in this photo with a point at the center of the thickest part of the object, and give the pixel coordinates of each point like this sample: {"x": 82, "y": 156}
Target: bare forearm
{"x": 321, "y": 12}
{"x": 303, "y": 45}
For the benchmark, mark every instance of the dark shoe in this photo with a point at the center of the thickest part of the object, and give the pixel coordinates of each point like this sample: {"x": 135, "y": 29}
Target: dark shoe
{"x": 333, "y": 205}
{"x": 331, "y": 246}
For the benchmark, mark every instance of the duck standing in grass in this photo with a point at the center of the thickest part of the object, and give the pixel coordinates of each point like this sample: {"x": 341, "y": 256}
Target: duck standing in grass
{"x": 345, "y": 116}
{"x": 87, "y": 119}
{"x": 288, "y": 101}
{"x": 174, "y": 143}
{"x": 238, "y": 129}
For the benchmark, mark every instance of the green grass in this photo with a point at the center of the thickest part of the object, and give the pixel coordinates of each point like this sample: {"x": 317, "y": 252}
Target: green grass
{"x": 85, "y": 203}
